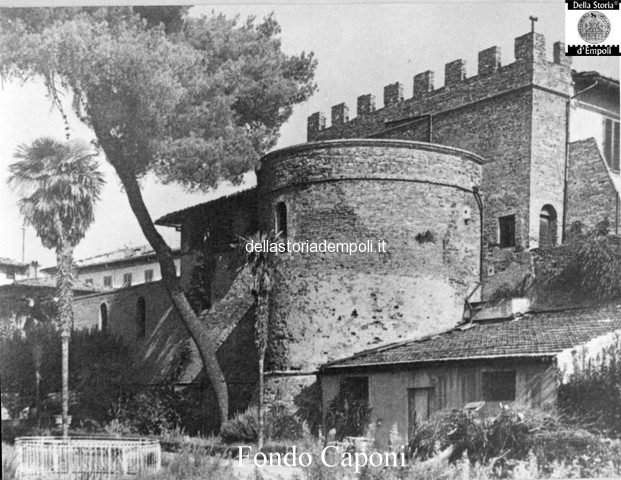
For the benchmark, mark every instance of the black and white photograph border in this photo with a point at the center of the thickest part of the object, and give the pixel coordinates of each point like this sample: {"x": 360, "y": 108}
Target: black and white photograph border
{"x": 307, "y": 240}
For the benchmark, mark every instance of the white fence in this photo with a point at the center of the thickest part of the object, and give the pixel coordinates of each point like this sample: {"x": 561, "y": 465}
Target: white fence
{"x": 85, "y": 457}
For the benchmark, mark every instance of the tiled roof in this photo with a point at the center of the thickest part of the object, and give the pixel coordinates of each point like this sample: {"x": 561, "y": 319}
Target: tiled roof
{"x": 176, "y": 218}
{"x": 128, "y": 254}
{"x": 11, "y": 262}
{"x": 540, "y": 334}
{"x": 50, "y": 282}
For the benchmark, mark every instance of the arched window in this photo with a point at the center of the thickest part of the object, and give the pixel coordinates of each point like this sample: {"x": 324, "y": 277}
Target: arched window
{"x": 547, "y": 227}
{"x": 103, "y": 317}
{"x": 141, "y": 317}
{"x": 281, "y": 219}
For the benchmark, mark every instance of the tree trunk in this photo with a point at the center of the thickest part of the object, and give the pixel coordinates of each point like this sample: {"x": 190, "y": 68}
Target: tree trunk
{"x": 64, "y": 260}
{"x": 65, "y": 374}
{"x": 261, "y": 425}
{"x": 196, "y": 329}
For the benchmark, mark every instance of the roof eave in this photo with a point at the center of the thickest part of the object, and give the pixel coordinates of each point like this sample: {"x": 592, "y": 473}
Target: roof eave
{"x": 334, "y": 366}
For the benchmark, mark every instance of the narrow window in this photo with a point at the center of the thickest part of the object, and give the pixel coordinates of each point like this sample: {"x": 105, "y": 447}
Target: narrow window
{"x": 547, "y": 226}
{"x": 148, "y": 275}
{"x": 611, "y": 143}
{"x": 506, "y": 231}
{"x": 281, "y": 219}
{"x": 499, "y": 386}
{"x": 107, "y": 281}
{"x": 141, "y": 317}
{"x": 103, "y": 317}
{"x": 127, "y": 279}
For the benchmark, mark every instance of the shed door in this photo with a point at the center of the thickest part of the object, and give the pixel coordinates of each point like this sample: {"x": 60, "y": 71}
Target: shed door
{"x": 418, "y": 406}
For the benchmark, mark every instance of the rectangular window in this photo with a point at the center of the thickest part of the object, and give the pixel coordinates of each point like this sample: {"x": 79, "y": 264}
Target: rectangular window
{"x": 499, "y": 386}
{"x": 107, "y": 280}
{"x": 506, "y": 231}
{"x": 148, "y": 275}
{"x": 88, "y": 281}
{"x": 127, "y": 279}
{"x": 611, "y": 143}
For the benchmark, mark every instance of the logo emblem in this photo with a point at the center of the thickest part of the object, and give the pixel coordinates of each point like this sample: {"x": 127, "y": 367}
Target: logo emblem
{"x": 594, "y": 27}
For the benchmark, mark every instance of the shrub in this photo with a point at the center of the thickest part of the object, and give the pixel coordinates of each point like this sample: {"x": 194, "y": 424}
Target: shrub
{"x": 348, "y": 415}
{"x": 243, "y": 427}
{"x": 280, "y": 424}
{"x": 481, "y": 438}
{"x": 593, "y": 392}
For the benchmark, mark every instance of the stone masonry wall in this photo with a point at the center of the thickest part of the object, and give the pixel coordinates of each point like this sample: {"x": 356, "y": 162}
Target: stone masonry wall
{"x": 591, "y": 196}
{"x": 327, "y": 306}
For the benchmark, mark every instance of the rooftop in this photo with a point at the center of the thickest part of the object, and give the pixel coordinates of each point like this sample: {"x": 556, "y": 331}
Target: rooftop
{"x": 176, "y": 218}
{"x": 128, "y": 254}
{"x": 50, "y": 282}
{"x": 12, "y": 263}
{"x": 534, "y": 334}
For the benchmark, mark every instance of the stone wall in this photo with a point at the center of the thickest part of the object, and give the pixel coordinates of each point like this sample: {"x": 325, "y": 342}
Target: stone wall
{"x": 326, "y": 306}
{"x": 591, "y": 195}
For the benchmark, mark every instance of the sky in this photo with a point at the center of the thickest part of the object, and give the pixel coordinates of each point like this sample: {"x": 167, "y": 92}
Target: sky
{"x": 360, "y": 47}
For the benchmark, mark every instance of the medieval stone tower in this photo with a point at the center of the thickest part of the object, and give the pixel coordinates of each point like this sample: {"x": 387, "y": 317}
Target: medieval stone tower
{"x": 419, "y": 198}
{"x": 459, "y": 181}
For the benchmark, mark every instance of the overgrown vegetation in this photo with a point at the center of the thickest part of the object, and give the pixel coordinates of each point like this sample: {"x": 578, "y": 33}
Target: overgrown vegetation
{"x": 348, "y": 413}
{"x": 592, "y": 393}
{"x": 595, "y": 271}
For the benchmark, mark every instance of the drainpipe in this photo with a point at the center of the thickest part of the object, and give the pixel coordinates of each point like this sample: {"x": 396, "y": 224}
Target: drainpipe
{"x": 567, "y": 122}
{"x": 477, "y": 197}
{"x": 430, "y": 116}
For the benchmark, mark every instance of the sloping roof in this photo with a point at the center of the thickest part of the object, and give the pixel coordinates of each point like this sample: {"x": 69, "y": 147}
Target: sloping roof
{"x": 588, "y": 76}
{"x": 123, "y": 255}
{"x": 50, "y": 282}
{"x": 535, "y": 334}
{"x": 11, "y": 262}
{"x": 177, "y": 217}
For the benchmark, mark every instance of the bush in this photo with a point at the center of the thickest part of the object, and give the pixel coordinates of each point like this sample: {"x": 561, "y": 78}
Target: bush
{"x": 481, "y": 438}
{"x": 243, "y": 427}
{"x": 593, "y": 392}
{"x": 348, "y": 415}
{"x": 280, "y": 424}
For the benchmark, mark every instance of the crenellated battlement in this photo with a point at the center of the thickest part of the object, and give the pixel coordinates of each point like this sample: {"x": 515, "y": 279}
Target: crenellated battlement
{"x": 530, "y": 67}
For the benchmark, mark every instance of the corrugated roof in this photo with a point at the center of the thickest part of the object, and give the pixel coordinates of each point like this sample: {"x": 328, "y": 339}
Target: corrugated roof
{"x": 177, "y": 217}
{"x": 539, "y": 334}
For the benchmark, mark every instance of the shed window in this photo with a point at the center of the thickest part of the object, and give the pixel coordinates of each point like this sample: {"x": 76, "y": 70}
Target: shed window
{"x": 148, "y": 275}
{"x": 103, "y": 317}
{"x": 141, "y": 317}
{"x": 547, "y": 226}
{"x": 611, "y": 143}
{"x": 499, "y": 386}
{"x": 281, "y": 219}
{"x": 107, "y": 281}
{"x": 506, "y": 231}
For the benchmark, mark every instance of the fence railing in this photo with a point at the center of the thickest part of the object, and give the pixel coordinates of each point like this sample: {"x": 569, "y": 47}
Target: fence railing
{"x": 81, "y": 457}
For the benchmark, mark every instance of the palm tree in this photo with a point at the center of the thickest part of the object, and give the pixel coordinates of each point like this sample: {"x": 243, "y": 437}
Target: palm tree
{"x": 59, "y": 184}
{"x": 262, "y": 268}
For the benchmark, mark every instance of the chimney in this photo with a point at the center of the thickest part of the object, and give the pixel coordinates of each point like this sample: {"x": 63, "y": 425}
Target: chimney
{"x": 33, "y": 270}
